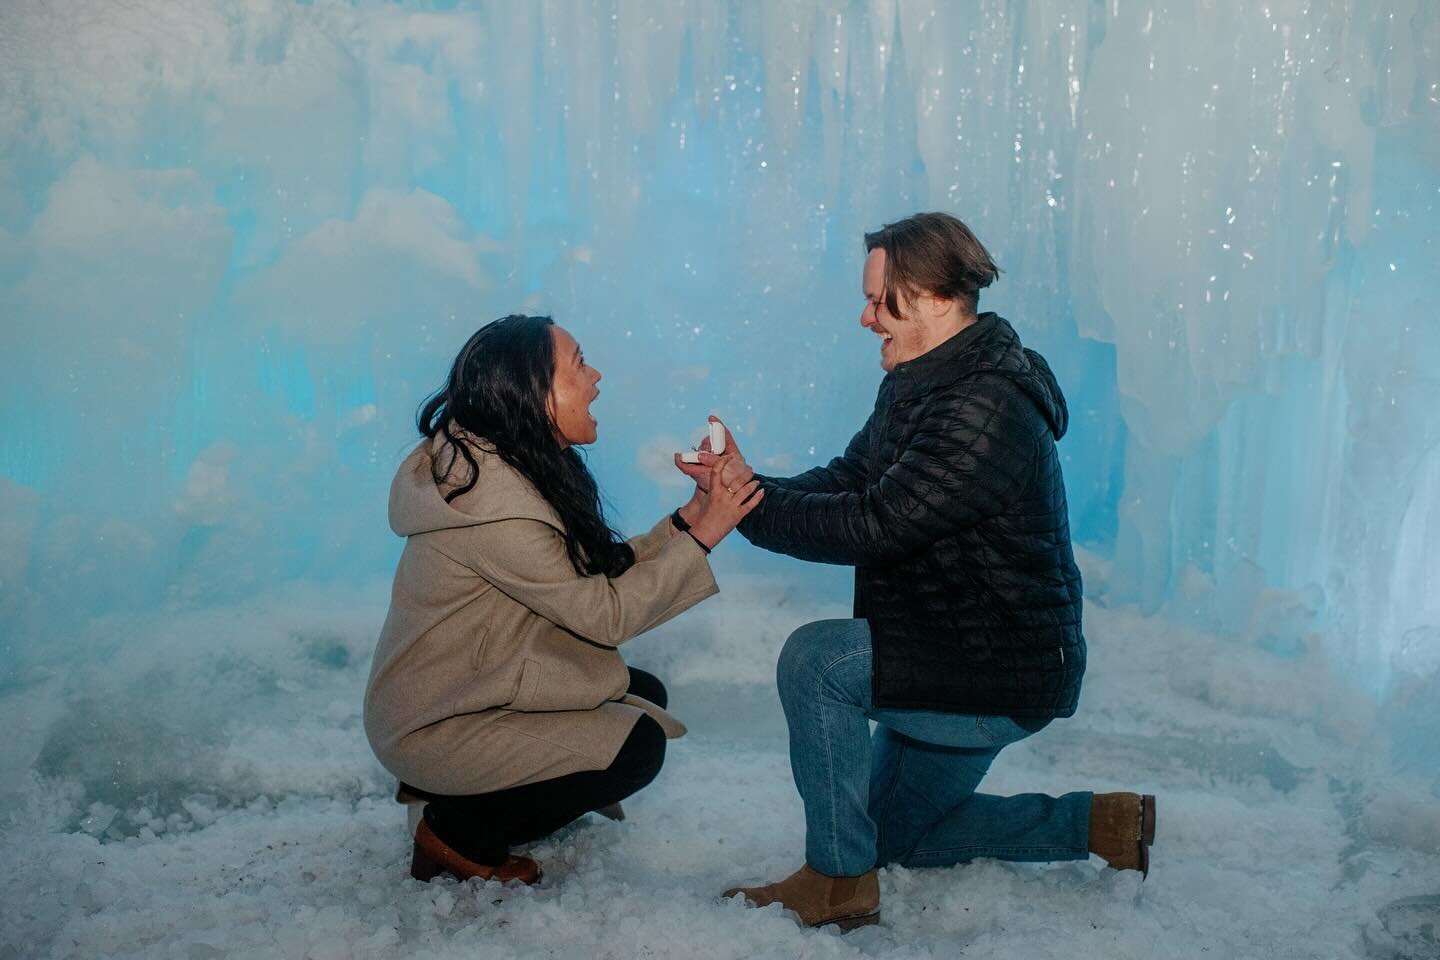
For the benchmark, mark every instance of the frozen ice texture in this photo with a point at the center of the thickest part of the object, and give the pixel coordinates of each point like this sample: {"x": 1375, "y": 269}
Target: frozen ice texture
{"x": 264, "y": 229}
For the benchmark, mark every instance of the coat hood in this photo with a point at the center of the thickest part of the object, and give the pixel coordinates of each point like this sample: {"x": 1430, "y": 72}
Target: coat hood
{"x": 988, "y": 346}
{"x": 417, "y": 502}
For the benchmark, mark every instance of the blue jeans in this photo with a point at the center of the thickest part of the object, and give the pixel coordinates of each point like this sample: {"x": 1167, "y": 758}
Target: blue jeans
{"x": 906, "y": 794}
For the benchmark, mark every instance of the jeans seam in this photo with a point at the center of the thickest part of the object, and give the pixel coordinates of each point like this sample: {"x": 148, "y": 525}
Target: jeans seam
{"x": 834, "y": 838}
{"x": 890, "y": 793}
{"x": 994, "y": 851}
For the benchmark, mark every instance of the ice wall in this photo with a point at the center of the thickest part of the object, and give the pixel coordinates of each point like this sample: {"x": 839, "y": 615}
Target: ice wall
{"x": 240, "y": 241}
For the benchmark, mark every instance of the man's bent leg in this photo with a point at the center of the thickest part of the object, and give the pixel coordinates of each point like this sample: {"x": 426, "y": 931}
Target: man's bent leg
{"x": 1024, "y": 827}
{"x": 914, "y": 785}
{"x": 824, "y": 682}
{"x": 926, "y": 808}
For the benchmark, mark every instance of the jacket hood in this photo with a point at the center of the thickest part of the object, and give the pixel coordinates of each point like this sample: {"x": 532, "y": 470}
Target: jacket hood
{"x": 989, "y": 346}
{"x": 417, "y": 502}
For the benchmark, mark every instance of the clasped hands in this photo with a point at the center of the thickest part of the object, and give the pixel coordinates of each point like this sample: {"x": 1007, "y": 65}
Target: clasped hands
{"x": 726, "y": 473}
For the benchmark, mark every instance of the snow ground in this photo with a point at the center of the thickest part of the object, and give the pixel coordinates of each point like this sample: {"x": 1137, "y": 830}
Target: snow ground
{"x": 204, "y": 790}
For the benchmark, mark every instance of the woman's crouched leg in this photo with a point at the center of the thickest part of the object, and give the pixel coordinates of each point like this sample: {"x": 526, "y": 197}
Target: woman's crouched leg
{"x": 648, "y": 686}
{"x": 482, "y": 827}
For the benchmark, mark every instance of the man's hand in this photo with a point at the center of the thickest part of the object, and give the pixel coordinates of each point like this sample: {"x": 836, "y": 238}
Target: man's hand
{"x": 736, "y": 471}
{"x": 695, "y": 471}
{"x": 731, "y": 447}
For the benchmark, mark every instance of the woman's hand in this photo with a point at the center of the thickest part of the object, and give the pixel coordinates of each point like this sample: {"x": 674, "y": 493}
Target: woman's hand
{"x": 726, "y": 504}
{"x": 690, "y": 512}
{"x": 735, "y": 472}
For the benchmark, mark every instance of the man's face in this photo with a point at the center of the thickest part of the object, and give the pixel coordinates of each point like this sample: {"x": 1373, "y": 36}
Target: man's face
{"x": 901, "y": 339}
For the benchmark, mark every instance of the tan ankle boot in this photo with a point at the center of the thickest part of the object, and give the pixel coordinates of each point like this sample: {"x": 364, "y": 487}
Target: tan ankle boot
{"x": 847, "y": 902}
{"x": 1122, "y": 827}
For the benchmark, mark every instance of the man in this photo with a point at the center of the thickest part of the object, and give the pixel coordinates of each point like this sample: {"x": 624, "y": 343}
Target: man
{"x": 949, "y": 503}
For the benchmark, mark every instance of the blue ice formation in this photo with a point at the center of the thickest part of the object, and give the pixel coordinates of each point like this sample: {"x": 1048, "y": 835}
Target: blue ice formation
{"x": 239, "y": 242}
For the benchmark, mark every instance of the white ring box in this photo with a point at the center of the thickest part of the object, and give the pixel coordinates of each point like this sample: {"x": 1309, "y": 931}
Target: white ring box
{"x": 717, "y": 443}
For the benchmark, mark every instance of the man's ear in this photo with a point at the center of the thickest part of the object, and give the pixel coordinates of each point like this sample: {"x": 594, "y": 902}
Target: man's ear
{"x": 937, "y": 307}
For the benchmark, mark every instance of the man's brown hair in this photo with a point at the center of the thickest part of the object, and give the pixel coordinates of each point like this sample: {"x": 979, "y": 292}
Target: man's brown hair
{"x": 932, "y": 253}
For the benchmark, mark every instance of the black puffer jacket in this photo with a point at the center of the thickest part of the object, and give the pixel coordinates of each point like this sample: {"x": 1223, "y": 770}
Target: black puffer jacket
{"x": 950, "y": 505}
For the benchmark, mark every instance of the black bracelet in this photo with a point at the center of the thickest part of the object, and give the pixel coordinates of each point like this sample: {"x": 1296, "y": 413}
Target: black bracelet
{"x": 679, "y": 522}
{"x": 698, "y": 543}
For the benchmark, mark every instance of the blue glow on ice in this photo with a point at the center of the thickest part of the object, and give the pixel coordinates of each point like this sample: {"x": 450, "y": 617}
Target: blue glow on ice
{"x": 239, "y": 247}
{"x": 241, "y": 240}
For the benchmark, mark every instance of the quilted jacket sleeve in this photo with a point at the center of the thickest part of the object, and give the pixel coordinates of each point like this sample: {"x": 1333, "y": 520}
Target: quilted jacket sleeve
{"x": 971, "y": 456}
{"x": 845, "y": 472}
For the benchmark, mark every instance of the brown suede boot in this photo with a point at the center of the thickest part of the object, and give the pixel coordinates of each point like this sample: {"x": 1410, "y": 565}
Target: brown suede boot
{"x": 433, "y": 856}
{"x": 1122, "y": 827}
{"x": 847, "y": 902}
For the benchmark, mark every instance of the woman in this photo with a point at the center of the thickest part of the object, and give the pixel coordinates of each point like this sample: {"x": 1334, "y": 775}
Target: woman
{"x": 497, "y": 692}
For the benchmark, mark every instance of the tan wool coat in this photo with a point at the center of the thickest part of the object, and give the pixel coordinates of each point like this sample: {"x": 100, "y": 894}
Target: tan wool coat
{"x": 497, "y": 665}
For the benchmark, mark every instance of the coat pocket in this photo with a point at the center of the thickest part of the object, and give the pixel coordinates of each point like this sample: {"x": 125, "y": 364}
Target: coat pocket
{"x": 528, "y": 686}
{"x": 477, "y": 652}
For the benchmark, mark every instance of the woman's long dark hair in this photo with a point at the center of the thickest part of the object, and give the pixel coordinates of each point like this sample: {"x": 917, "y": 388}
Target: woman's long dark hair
{"x": 499, "y": 390}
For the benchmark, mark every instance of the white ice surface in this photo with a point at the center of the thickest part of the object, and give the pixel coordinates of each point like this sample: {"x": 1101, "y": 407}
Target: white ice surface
{"x": 205, "y": 832}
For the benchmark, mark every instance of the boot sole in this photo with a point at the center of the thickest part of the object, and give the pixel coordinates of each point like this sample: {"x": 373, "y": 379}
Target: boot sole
{"x": 1147, "y": 833}
{"x": 850, "y": 923}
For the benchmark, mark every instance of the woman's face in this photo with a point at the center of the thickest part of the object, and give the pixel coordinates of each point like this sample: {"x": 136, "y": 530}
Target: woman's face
{"x": 573, "y": 391}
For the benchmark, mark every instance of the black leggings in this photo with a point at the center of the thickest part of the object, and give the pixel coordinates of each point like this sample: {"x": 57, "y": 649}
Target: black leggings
{"x": 483, "y": 826}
